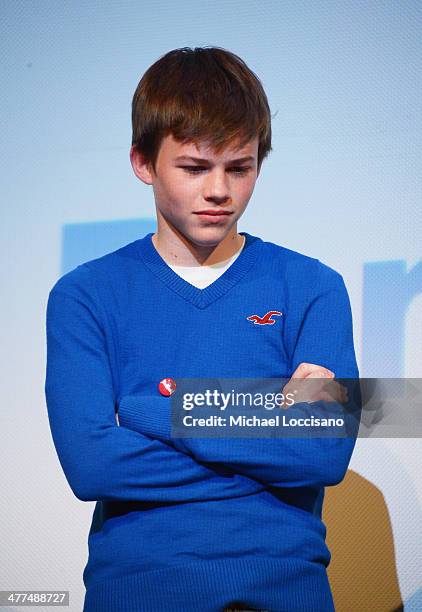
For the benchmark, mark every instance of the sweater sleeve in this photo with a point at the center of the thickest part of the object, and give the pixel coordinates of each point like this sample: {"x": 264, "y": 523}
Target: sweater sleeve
{"x": 324, "y": 333}
{"x": 324, "y": 337}
{"x": 100, "y": 459}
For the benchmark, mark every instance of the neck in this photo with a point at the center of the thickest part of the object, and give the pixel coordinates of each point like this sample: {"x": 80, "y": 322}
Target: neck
{"x": 177, "y": 249}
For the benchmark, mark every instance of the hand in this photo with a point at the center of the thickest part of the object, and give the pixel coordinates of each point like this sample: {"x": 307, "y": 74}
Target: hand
{"x": 317, "y": 389}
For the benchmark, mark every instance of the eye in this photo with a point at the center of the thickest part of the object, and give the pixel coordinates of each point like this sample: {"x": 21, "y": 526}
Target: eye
{"x": 197, "y": 169}
{"x": 241, "y": 169}
{"x": 193, "y": 169}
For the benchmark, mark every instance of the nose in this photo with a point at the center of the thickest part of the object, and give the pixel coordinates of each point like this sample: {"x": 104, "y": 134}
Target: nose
{"x": 216, "y": 186}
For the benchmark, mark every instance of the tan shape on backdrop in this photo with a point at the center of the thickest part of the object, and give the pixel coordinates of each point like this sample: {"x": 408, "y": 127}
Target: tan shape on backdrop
{"x": 362, "y": 571}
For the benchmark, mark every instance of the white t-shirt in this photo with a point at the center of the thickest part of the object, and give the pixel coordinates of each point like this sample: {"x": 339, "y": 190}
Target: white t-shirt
{"x": 202, "y": 276}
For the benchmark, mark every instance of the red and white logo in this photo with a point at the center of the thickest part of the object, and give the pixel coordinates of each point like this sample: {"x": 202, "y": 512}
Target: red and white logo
{"x": 266, "y": 319}
{"x": 167, "y": 386}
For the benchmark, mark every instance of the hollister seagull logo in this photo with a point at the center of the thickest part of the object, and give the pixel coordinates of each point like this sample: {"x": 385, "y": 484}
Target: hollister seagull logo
{"x": 266, "y": 319}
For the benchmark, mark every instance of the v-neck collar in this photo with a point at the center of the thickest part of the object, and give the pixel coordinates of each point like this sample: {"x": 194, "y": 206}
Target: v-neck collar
{"x": 201, "y": 298}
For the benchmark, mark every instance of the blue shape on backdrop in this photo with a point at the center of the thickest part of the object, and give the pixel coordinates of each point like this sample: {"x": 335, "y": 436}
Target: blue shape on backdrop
{"x": 82, "y": 242}
{"x": 388, "y": 290}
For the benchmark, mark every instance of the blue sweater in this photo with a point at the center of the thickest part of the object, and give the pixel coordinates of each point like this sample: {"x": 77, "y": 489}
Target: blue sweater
{"x": 192, "y": 525}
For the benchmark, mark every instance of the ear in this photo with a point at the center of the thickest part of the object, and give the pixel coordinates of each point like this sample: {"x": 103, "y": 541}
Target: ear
{"x": 140, "y": 167}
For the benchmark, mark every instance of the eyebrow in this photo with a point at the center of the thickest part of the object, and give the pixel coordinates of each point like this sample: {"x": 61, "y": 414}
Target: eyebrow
{"x": 206, "y": 161}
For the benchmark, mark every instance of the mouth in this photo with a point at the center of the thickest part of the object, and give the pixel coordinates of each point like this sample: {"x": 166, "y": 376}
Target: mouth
{"x": 213, "y": 217}
{"x": 214, "y": 213}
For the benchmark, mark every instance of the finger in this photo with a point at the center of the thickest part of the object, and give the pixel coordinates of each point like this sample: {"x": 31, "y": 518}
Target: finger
{"x": 320, "y": 373}
{"x": 337, "y": 392}
{"x": 326, "y": 397}
{"x": 305, "y": 369}
{"x": 333, "y": 392}
{"x": 301, "y": 371}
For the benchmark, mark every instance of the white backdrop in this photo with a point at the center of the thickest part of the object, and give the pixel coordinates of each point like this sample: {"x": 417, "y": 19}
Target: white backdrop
{"x": 342, "y": 184}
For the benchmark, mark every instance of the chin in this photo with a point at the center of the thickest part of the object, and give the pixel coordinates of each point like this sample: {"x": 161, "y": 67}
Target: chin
{"x": 208, "y": 236}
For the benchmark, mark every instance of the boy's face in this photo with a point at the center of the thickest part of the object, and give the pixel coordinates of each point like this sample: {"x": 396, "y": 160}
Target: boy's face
{"x": 188, "y": 190}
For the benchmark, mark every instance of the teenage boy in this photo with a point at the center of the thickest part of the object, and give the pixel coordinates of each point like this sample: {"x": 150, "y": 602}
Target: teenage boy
{"x": 196, "y": 525}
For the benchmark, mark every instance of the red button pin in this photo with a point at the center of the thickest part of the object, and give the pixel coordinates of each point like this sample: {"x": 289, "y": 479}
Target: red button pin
{"x": 167, "y": 386}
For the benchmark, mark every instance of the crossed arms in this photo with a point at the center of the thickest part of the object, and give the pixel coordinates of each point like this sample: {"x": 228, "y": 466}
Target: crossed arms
{"x": 104, "y": 461}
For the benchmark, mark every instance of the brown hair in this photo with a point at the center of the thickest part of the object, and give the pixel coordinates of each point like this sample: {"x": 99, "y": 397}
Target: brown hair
{"x": 201, "y": 94}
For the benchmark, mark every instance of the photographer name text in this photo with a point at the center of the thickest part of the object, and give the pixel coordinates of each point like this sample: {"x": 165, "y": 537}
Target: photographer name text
{"x": 254, "y": 421}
